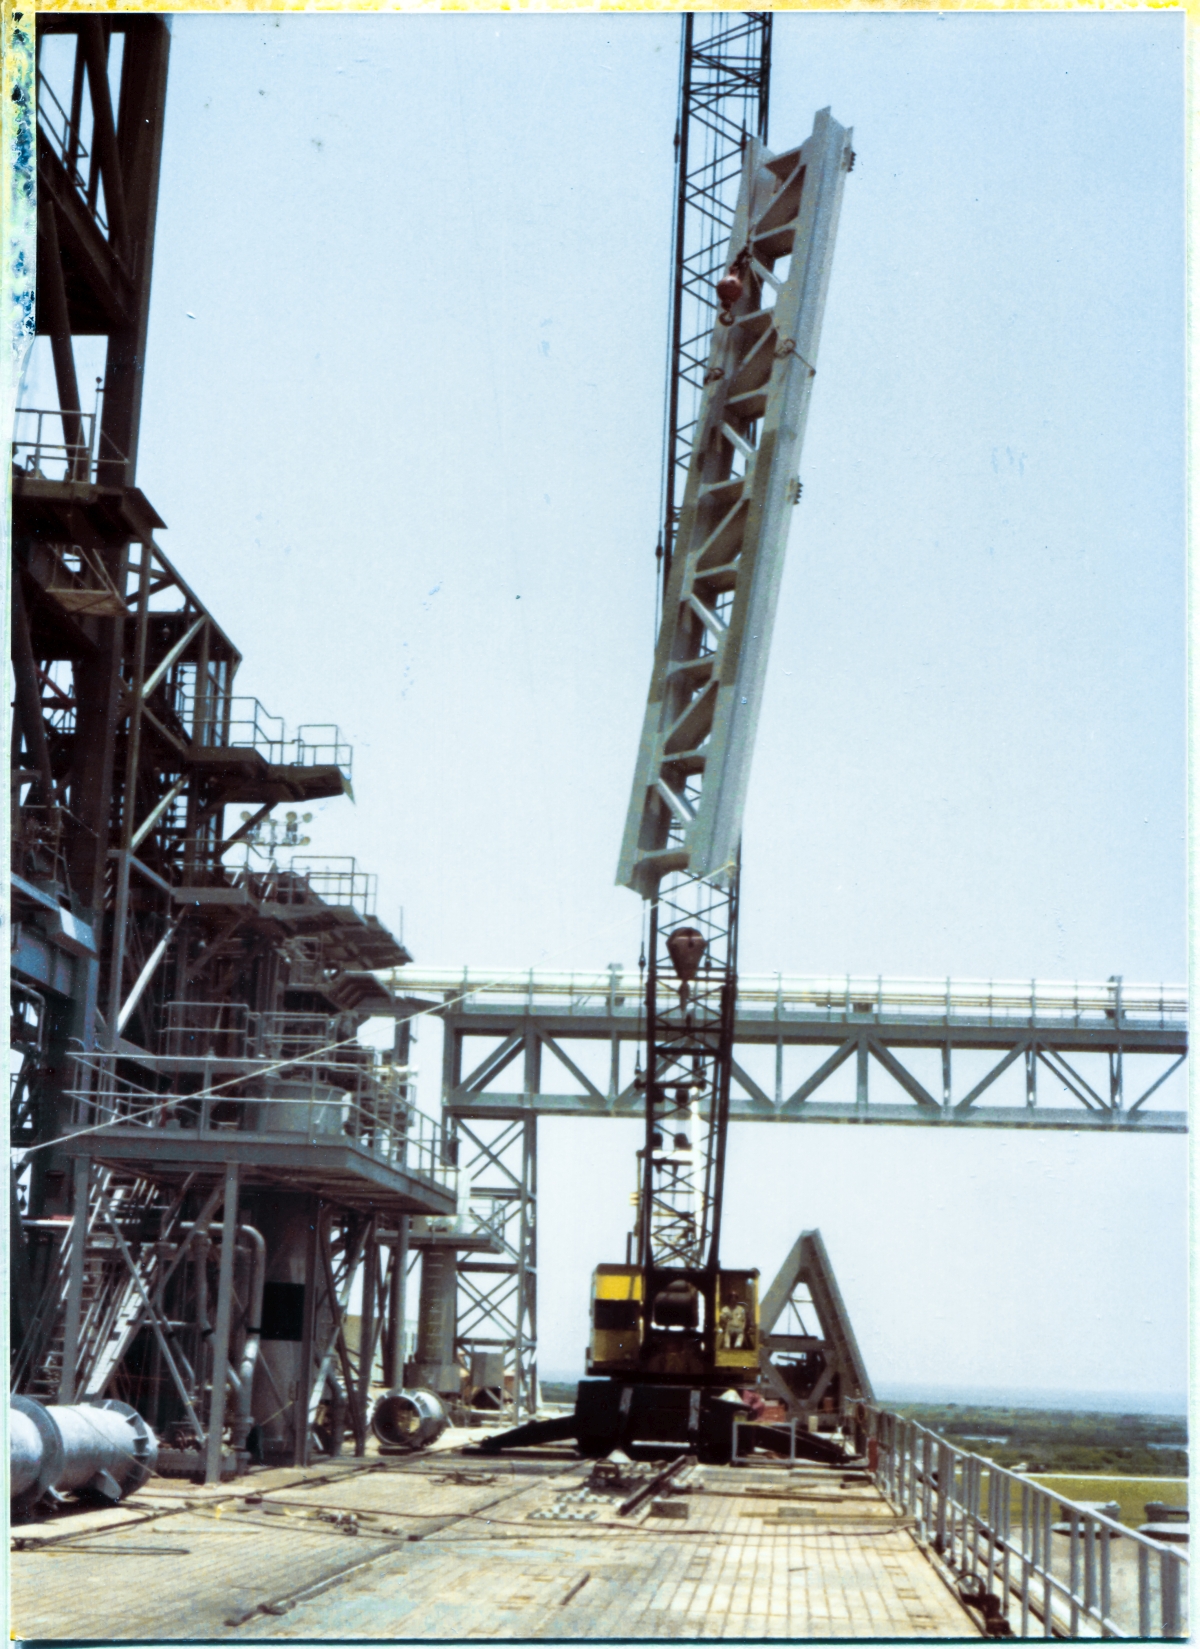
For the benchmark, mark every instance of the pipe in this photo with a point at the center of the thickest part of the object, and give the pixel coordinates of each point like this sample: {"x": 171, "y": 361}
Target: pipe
{"x": 409, "y": 1419}
{"x": 240, "y": 1379}
{"x": 144, "y": 978}
{"x": 258, "y": 1262}
{"x": 101, "y": 1449}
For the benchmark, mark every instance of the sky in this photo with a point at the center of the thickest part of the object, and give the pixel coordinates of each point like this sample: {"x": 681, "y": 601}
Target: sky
{"x": 403, "y": 409}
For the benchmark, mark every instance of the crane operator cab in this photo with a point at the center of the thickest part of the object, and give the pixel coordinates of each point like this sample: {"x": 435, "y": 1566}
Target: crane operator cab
{"x": 677, "y": 1340}
{"x": 670, "y": 1376}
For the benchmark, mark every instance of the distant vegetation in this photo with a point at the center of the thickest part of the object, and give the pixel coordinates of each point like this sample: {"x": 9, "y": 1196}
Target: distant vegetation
{"x": 1037, "y": 1440}
{"x": 1051, "y": 1440}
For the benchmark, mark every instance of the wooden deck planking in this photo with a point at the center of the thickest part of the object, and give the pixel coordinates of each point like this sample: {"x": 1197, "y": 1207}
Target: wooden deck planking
{"x": 492, "y": 1572}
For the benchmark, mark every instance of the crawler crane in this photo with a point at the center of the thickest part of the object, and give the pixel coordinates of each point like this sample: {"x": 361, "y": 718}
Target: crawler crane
{"x": 674, "y": 1335}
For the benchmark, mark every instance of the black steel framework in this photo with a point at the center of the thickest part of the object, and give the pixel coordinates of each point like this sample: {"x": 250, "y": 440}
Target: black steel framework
{"x": 725, "y": 76}
{"x": 724, "y": 91}
{"x": 689, "y": 1048}
{"x": 185, "y": 1007}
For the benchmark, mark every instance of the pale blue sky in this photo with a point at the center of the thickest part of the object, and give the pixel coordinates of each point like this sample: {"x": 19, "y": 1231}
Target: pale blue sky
{"x": 403, "y": 407}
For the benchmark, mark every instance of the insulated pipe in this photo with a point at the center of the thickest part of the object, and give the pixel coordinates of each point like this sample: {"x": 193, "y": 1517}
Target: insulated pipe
{"x": 102, "y": 1448}
{"x": 435, "y": 1364}
{"x": 258, "y": 1273}
{"x": 242, "y": 1378}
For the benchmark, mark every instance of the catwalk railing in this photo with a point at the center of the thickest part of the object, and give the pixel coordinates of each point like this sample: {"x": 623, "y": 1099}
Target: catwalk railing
{"x": 38, "y": 452}
{"x": 268, "y": 1079}
{"x": 836, "y": 997}
{"x": 243, "y": 723}
{"x": 1022, "y": 1553}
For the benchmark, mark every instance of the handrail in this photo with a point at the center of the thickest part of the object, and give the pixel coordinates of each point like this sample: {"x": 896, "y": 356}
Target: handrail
{"x": 1002, "y": 1535}
{"x": 852, "y": 996}
{"x": 295, "y": 1082}
{"x": 241, "y": 722}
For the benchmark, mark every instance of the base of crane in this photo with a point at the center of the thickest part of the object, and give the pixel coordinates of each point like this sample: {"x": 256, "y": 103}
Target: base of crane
{"x": 647, "y": 1421}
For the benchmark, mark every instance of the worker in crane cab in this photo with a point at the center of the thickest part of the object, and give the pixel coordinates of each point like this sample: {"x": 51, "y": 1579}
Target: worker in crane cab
{"x": 733, "y": 1327}
{"x": 737, "y": 1319}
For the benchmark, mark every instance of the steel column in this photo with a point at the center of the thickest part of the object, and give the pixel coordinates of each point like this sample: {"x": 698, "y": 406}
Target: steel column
{"x": 79, "y": 1235}
{"x": 397, "y": 1305}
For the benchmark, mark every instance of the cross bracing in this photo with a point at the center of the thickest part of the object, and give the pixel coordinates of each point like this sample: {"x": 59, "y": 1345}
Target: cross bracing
{"x": 576, "y": 1034}
{"x": 497, "y": 1288}
{"x": 719, "y": 601}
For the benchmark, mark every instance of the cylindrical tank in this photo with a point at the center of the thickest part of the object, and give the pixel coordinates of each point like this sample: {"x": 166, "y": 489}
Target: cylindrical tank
{"x": 409, "y": 1419}
{"x": 102, "y": 1448}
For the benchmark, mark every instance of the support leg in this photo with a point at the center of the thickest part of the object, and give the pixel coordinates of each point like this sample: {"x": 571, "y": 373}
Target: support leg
{"x": 366, "y": 1337}
{"x": 79, "y": 1229}
{"x": 397, "y": 1305}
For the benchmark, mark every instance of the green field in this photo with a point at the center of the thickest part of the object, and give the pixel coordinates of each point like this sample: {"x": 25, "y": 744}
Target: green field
{"x": 1131, "y": 1493}
{"x": 1068, "y": 1443}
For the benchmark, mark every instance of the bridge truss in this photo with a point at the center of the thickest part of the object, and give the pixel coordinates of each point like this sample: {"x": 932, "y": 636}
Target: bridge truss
{"x": 523, "y": 1045}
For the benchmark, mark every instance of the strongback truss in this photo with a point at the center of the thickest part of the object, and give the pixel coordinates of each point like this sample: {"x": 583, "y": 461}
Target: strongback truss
{"x": 698, "y": 735}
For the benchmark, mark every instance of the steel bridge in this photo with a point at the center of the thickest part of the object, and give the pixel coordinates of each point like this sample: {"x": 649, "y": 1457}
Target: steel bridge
{"x": 876, "y": 1023}
{"x": 522, "y": 1045}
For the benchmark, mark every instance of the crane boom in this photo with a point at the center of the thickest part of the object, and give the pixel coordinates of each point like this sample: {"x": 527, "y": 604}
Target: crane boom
{"x": 671, "y": 1329}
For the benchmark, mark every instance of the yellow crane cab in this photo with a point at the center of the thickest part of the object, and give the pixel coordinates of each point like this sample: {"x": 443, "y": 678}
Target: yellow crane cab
{"x": 680, "y": 1338}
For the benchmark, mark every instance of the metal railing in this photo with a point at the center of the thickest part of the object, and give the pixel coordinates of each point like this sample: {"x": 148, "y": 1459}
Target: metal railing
{"x": 243, "y": 723}
{"x": 35, "y": 453}
{"x": 338, "y": 881}
{"x": 1024, "y": 1555}
{"x": 851, "y": 997}
{"x": 200, "y": 1030}
{"x": 295, "y": 1080}
{"x": 66, "y": 140}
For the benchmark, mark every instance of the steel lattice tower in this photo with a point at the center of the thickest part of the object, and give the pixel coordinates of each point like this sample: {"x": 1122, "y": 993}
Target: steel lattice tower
{"x": 724, "y": 90}
{"x": 724, "y": 93}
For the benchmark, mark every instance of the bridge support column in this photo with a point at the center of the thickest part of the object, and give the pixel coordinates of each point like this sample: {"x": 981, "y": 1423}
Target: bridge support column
{"x": 435, "y": 1365}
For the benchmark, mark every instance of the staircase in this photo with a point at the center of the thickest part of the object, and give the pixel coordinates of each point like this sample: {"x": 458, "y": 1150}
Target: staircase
{"x": 112, "y": 1308}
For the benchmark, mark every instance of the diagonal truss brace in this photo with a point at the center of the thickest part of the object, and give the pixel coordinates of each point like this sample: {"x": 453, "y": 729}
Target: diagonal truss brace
{"x": 693, "y": 763}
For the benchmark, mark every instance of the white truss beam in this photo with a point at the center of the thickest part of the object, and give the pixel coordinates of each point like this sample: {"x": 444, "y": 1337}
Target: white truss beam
{"x": 693, "y": 763}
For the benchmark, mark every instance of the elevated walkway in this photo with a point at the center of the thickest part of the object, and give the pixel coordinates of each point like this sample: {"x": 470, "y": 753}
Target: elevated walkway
{"x": 1035, "y": 1025}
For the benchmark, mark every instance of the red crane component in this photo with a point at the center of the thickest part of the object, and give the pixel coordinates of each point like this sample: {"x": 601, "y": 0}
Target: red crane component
{"x": 729, "y": 289}
{"x": 731, "y": 286}
{"x": 686, "y": 948}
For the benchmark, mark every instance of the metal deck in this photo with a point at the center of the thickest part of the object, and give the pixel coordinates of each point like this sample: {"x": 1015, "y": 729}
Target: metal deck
{"x": 443, "y": 1545}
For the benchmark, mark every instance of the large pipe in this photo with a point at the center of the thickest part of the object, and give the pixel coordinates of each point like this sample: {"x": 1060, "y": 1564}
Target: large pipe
{"x": 102, "y": 1449}
{"x": 258, "y": 1273}
{"x": 435, "y": 1366}
{"x": 409, "y": 1419}
{"x": 240, "y": 1379}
